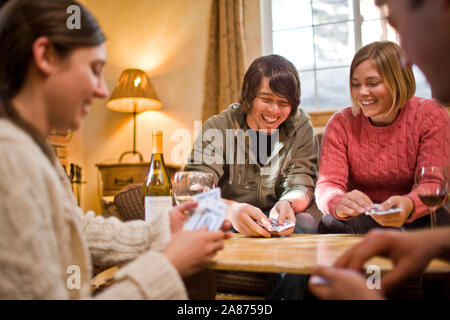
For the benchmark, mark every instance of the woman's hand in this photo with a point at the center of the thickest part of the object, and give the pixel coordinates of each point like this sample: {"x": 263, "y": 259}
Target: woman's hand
{"x": 281, "y": 212}
{"x": 396, "y": 219}
{"x": 244, "y": 216}
{"x": 190, "y": 251}
{"x": 226, "y": 226}
{"x": 178, "y": 215}
{"x": 353, "y": 204}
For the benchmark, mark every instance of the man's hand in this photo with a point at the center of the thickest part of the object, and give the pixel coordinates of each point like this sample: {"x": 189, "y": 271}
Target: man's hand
{"x": 410, "y": 253}
{"x": 281, "y": 212}
{"x": 353, "y": 204}
{"x": 342, "y": 284}
{"x": 243, "y": 217}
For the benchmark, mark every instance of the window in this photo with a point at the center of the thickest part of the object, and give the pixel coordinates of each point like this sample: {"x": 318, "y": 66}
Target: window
{"x": 320, "y": 37}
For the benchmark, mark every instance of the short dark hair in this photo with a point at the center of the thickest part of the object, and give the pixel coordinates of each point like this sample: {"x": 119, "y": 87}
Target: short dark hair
{"x": 284, "y": 81}
{"x": 413, "y": 3}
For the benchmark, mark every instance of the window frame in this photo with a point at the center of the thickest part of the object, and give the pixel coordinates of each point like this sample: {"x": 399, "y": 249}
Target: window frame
{"x": 320, "y": 117}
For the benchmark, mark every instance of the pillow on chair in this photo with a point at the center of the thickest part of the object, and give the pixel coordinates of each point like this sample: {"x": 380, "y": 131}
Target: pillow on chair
{"x": 129, "y": 202}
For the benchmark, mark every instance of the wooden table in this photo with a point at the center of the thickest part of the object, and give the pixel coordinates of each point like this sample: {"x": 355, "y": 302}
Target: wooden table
{"x": 297, "y": 253}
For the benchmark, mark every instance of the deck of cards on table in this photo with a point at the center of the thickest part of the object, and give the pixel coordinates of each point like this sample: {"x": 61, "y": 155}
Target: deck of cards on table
{"x": 211, "y": 211}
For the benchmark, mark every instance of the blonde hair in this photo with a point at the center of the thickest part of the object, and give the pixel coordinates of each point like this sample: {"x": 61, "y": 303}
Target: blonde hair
{"x": 385, "y": 56}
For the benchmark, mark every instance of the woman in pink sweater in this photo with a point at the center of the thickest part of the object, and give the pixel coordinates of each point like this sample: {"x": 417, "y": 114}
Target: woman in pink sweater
{"x": 370, "y": 150}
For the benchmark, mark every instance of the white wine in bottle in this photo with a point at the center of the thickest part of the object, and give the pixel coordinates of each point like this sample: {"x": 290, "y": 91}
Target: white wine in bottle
{"x": 157, "y": 190}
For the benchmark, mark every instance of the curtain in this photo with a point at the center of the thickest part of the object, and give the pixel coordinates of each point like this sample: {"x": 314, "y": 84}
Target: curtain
{"x": 225, "y": 62}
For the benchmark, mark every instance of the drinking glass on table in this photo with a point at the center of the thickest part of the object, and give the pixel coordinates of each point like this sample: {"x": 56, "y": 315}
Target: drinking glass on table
{"x": 187, "y": 184}
{"x": 431, "y": 183}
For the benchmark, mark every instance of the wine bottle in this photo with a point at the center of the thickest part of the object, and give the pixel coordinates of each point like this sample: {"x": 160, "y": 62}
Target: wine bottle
{"x": 157, "y": 190}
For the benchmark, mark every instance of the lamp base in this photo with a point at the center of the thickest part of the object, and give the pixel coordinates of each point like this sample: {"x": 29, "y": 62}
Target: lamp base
{"x": 133, "y": 152}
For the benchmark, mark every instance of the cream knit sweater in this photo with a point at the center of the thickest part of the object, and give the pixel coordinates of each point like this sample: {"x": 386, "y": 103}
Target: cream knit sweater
{"x": 46, "y": 240}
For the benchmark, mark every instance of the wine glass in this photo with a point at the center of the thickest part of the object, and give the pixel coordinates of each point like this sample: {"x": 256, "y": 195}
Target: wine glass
{"x": 431, "y": 183}
{"x": 186, "y": 184}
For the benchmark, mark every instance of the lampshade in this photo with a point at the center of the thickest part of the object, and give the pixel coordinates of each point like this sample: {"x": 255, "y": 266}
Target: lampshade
{"x": 133, "y": 93}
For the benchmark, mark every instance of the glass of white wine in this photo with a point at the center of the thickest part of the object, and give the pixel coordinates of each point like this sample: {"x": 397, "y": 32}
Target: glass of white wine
{"x": 186, "y": 184}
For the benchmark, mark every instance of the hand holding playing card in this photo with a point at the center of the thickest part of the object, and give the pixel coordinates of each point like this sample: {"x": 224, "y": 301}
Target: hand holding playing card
{"x": 190, "y": 251}
{"x": 284, "y": 216}
{"x": 244, "y": 218}
{"x": 397, "y": 208}
{"x": 178, "y": 216}
{"x": 353, "y": 203}
{"x": 378, "y": 209}
{"x": 341, "y": 284}
{"x": 278, "y": 229}
{"x": 211, "y": 212}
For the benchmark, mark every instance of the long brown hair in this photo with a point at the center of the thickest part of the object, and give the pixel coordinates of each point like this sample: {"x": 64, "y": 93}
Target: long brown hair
{"x": 21, "y": 23}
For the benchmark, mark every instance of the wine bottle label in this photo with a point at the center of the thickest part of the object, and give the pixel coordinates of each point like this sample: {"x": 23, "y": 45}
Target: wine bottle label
{"x": 155, "y": 206}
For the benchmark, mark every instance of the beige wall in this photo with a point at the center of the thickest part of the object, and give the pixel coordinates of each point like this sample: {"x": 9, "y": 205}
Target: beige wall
{"x": 168, "y": 40}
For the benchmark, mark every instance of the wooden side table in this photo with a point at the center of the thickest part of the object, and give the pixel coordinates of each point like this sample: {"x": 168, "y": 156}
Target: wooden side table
{"x": 115, "y": 176}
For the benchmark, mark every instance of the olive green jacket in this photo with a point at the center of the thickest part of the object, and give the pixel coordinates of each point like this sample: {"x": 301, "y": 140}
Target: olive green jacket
{"x": 290, "y": 171}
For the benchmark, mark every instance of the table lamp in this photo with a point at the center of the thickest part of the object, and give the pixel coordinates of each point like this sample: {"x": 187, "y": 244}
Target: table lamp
{"x": 133, "y": 94}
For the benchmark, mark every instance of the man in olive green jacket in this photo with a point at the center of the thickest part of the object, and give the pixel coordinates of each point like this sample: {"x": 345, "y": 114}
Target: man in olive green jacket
{"x": 262, "y": 151}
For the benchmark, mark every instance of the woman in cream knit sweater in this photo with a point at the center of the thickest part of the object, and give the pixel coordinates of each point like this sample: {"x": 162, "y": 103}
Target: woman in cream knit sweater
{"x": 50, "y": 74}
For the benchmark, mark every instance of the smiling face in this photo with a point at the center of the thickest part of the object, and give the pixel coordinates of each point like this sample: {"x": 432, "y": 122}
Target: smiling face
{"x": 78, "y": 79}
{"x": 370, "y": 91}
{"x": 268, "y": 110}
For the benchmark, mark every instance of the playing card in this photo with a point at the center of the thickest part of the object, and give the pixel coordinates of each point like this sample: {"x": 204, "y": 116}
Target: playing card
{"x": 286, "y": 225}
{"x": 212, "y": 218}
{"x": 192, "y": 221}
{"x": 211, "y": 211}
{"x": 213, "y": 194}
{"x": 319, "y": 280}
{"x": 276, "y": 227}
{"x": 375, "y": 210}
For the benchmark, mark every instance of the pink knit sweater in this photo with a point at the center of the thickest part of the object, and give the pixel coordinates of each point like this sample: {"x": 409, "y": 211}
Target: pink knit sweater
{"x": 381, "y": 161}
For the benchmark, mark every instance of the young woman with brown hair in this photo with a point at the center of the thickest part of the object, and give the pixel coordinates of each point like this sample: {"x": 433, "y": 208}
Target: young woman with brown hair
{"x": 50, "y": 75}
